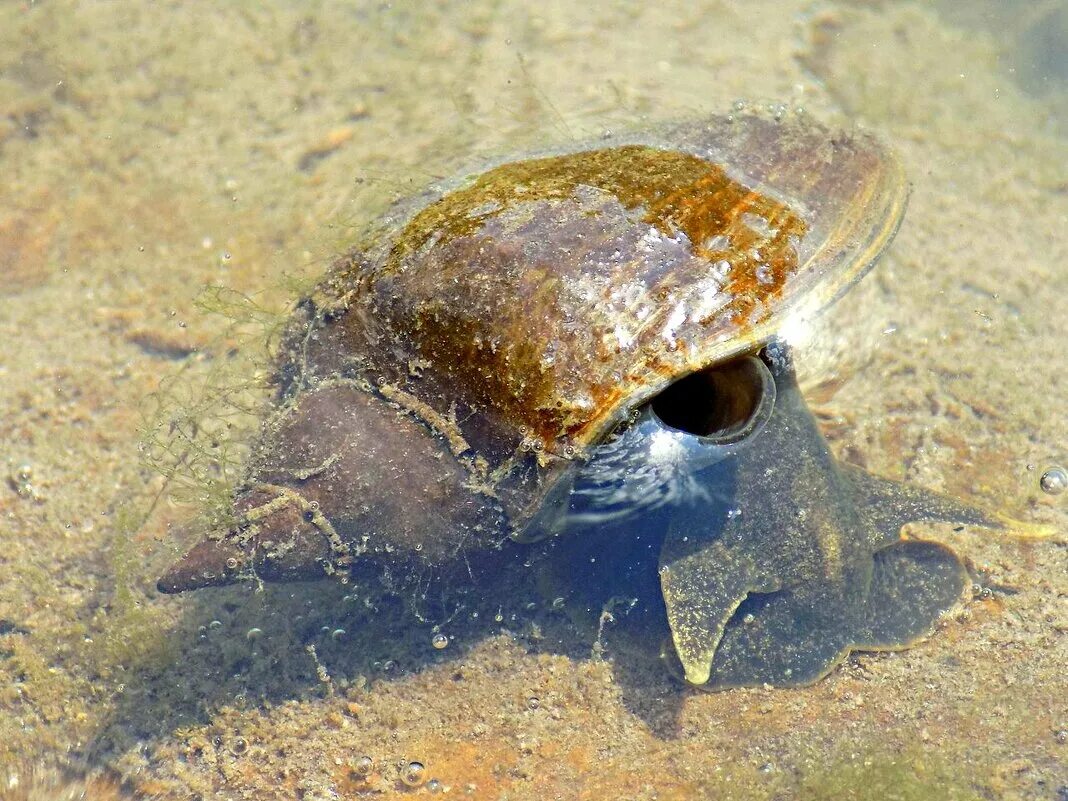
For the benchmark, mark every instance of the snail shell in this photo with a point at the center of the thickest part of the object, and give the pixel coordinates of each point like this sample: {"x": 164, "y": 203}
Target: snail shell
{"x": 447, "y": 381}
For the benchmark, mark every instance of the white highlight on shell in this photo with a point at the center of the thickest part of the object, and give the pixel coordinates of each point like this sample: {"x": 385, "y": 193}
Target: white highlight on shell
{"x": 674, "y": 320}
{"x": 796, "y": 330}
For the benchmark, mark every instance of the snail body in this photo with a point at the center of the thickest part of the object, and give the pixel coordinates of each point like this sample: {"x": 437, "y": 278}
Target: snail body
{"x": 586, "y": 339}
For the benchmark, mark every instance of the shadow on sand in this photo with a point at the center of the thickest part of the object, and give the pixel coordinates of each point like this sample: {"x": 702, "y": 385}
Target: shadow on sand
{"x": 253, "y": 646}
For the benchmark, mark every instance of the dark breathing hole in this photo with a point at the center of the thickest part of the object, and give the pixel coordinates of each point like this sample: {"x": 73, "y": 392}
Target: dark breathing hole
{"x": 718, "y": 402}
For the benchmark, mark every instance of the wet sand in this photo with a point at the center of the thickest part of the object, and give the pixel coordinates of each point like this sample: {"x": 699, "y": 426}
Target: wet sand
{"x": 151, "y": 150}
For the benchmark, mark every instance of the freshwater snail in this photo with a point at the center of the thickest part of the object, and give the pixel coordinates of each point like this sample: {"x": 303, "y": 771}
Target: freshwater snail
{"x": 585, "y": 342}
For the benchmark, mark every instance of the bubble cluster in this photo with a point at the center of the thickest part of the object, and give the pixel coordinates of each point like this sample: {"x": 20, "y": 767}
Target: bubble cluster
{"x": 22, "y": 480}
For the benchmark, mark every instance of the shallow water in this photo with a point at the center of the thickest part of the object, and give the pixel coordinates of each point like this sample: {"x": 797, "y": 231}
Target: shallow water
{"x": 150, "y": 150}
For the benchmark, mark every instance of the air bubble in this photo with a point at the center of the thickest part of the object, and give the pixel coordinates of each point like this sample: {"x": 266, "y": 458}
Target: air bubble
{"x": 533, "y": 703}
{"x": 439, "y": 641}
{"x": 253, "y": 634}
{"x": 21, "y": 479}
{"x": 1054, "y": 481}
{"x": 363, "y": 766}
{"x": 215, "y": 625}
{"x": 337, "y": 635}
{"x": 414, "y": 774}
{"x": 434, "y": 786}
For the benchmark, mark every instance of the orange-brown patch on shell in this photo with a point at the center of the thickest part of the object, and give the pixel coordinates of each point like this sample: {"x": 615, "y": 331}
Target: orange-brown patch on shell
{"x": 600, "y": 209}
{"x": 675, "y": 192}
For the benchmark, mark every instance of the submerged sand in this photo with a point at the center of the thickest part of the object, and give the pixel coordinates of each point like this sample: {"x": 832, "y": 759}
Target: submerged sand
{"x": 150, "y": 150}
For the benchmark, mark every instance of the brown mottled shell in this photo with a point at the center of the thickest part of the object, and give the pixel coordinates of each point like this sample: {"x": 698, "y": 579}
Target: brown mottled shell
{"x": 523, "y": 312}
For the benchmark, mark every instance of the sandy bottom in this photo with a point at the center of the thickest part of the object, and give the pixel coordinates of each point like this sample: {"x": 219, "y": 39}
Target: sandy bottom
{"x": 149, "y": 150}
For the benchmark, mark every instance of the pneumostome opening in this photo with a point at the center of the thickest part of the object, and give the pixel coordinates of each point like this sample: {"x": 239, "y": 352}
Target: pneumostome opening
{"x": 724, "y": 403}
